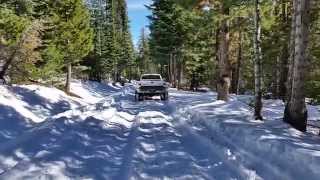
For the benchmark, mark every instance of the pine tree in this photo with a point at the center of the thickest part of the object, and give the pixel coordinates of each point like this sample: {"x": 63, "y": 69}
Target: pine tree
{"x": 113, "y": 54}
{"x": 144, "y": 53}
{"x": 296, "y": 112}
{"x": 14, "y": 35}
{"x": 258, "y": 62}
{"x": 73, "y": 35}
{"x": 165, "y": 38}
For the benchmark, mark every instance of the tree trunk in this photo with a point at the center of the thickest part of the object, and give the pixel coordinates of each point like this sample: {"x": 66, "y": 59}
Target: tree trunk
{"x": 115, "y": 75}
{"x": 283, "y": 73}
{"x": 224, "y": 80}
{"x": 239, "y": 61}
{"x": 68, "y": 82}
{"x": 170, "y": 69}
{"x": 179, "y": 73}
{"x": 276, "y": 78}
{"x": 258, "y": 63}
{"x": 292, "y": 50}
{"x": 283, "y": 56}
{"x": 7, "y": 63}
{"x": 193, "y": 82}
{"x": 174, "y": 71}
{"x": 296, "y": 112}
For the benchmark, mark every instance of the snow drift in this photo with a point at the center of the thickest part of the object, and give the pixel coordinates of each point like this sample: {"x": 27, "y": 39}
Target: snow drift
{"x": 106, "y": 134}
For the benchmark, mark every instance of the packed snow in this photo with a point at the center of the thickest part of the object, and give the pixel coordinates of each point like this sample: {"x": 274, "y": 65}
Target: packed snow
{"x": 105, "y": 134}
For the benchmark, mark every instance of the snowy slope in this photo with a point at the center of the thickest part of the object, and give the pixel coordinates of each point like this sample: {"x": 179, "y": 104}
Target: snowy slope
{"x": 272, "y": 149}
{"x": 106, "y": 134}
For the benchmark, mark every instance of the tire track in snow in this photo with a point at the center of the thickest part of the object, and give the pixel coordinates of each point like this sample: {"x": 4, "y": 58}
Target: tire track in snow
{"x": 207, "y": 145}
{"x": 156, "y": 150}
{"x": 242, "y": 155}
{"x": 126, "y": 169}
{"x": 174, "y": 107}
{"x": 44, "y": 127}
{"x": 41, "y": 132}
{"x": 67, "y": 141}
{"x": 179, "y": 116}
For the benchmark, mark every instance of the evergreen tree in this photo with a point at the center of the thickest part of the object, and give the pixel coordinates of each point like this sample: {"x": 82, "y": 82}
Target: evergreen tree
{"x": 166, "y": 39}
{"x": 113, "y": 54}
{"x": 143, "y": 59}
{"x": 257, "y": 62}
{"x": 296, "y": 111}
{"x": 73, "y": 35}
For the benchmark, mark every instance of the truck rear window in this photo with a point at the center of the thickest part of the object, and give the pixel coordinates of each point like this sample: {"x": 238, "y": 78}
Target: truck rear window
{"x": 153, "y": 77}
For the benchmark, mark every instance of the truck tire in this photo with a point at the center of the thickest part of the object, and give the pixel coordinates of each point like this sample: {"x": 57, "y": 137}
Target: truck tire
{"x": 140, "y": 97}
{"x": 164, "y": 96}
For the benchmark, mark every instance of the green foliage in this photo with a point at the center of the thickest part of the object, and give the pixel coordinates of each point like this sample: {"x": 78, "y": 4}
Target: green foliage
{"x": 113, "y": 49}
{"x": 11, "y": 26}
{"x": 51, "y": 64}
{"x": 43, "y": 36}
{"x": 73, "y": 35}
{"x": 143, "y": 57}
{"x": 186, "y": 35}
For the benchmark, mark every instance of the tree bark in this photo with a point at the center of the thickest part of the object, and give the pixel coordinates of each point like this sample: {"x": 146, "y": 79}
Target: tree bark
{"x": 68, "y": 81}
{"x": 239, "y": 60}
{"x": 277, "y": 72}
{"x": 296, "y": 112}
{"x": 258, "y": 63}
{"x": 283, "y": 66}
{"x": 7, "y": 63}
{"x": 291, "y": 50}
{"x": 171, "y": 68}
{"x": 283, "y": 73}
{"x": 174, "y": 72}
{"x": 224, "y": 81}
{"x": 179, "y": 73}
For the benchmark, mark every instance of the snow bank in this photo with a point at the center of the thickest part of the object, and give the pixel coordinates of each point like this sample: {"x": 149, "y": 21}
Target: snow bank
{"x": 24, "y": 106}
{"x": 35, "y": 103}
{"x": 271, "y": 147}
{"x": 29, "y": 112}
{"x": 93, "y": 92}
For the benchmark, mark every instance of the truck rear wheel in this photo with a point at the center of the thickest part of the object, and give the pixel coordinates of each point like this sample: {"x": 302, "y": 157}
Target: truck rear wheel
{"x": 164, "y": 96}
{"x": 140, "y": 97}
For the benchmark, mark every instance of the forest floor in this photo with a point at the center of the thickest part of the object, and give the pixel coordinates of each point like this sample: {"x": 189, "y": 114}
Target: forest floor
{"x": 106, "y": 134}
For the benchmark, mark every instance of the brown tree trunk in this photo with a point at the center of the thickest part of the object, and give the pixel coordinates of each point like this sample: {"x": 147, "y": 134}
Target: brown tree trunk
{"x": 283, "y": 73}
{"x": 7, "y": 64}
{"x": 174, "y": 70}
{"x": 283, "y": 65}
{"x": 171, "y": 69}
{"x": 239, "y": 61}
{"x": 179, "y": 74}
{"x": 224, "y": 81}
{"x": 68, "y": 81}
{"x": 296, "y": 112}
{"x": 291, "y": 50}
{"x": 258, "y": 63}
{"x": 277, "y": 72}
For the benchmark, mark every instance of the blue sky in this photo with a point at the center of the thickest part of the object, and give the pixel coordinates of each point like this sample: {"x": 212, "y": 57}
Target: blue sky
{"x": 137, "y": 16}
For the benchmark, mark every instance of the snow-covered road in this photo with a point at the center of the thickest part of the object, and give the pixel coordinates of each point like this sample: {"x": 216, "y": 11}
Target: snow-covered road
{"x": 191, "y": 136}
